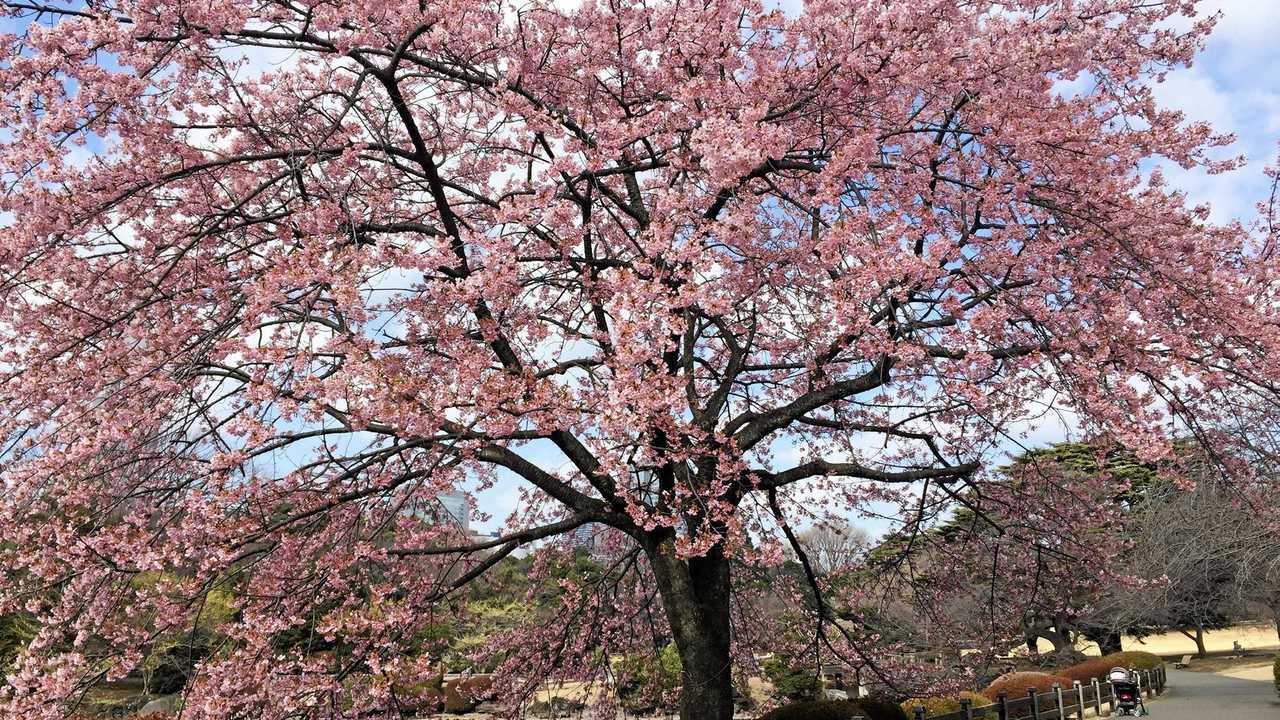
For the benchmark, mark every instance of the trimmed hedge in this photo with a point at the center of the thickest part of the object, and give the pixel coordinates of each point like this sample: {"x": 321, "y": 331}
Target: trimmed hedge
{"x": 1015, "y": 684}
{"x": 869, "y": 708}
{"x": 943, "y": 705}
{"x": 1088, "y": 670}
{"x": 1134, "y": 659}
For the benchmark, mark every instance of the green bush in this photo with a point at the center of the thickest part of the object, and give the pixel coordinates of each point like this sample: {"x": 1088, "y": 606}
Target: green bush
{"x": 16, "y": 631}
{"x": 645, "y": 682}
{"x": 869, "y": 708}
{"x": 1275, "y": 672}
{"x": 793, "y": 681}
{"x": 1134, "y": 659}
{"x": 943, "y": 705}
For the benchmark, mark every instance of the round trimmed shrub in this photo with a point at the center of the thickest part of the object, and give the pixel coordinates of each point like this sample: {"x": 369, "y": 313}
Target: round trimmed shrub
{"x": 1015, "y": 684}
{"x": 1134, "y": 659}
{"x": 943, "y": 705}
{"x": 869, "y": 708}
{"x": 1086, "y": 671}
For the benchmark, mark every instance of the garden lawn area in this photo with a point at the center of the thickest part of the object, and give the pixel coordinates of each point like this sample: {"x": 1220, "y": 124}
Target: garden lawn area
{"x": 1242, "y": 668}
{"x": 1252, "y": 637}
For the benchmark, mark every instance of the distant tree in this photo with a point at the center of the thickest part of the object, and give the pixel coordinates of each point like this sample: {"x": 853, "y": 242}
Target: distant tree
{"x": 835, "y": 547}
{"x": 1069, "y": 611}
{"x": 1196, "y": 547}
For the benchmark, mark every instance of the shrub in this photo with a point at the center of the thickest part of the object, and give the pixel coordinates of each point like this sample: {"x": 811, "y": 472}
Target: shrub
{"x": 869, "y": 708}
{"x": 1134, "y": 659}
{"x": 1015, "y": 684}
{"x": 464, "y": 694}
{"x": 647, "y": 683}
{"x": 943, "y": 705}
{"x": 793, "y": 681}
{"x": 1275, "y": 672}
{"x": 1088, "y": 670}
{"x": 557, "y": 707}
{"x": 16, "y": 631}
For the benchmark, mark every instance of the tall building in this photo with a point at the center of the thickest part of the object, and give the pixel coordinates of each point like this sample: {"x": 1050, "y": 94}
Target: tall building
{"x": 455, "y": 508}
{"x": 584, "y": 536}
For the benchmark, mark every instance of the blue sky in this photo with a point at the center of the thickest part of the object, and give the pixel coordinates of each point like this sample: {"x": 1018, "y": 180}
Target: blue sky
{"x": 1235, "y": 86}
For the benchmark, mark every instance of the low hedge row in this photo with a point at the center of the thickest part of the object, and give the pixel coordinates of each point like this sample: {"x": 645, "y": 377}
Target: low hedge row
{"x": 1013, "y": 685}
{"x": 1134, "y": 659}
{"x": 1016, "y": 684}
{"x": 1099, "y": 667}
{"x": 869, "y": 708}
{"x": 943, "y": 705}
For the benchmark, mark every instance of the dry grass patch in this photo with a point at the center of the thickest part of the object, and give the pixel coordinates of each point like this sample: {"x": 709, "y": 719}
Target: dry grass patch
{"x": 1243, "y": 668}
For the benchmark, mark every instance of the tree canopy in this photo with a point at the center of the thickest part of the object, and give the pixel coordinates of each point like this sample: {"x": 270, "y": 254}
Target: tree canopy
{"x": 277, "y": 275}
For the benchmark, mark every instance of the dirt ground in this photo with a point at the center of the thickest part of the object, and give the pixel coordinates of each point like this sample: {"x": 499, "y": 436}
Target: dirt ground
{"x": 1252, "y": 637}
{"x": 1241, "y": 668}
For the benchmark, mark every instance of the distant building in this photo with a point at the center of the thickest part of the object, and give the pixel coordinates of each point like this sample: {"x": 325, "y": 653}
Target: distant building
{"x": 585, "y": 536}
{"x": 455, "y": 508}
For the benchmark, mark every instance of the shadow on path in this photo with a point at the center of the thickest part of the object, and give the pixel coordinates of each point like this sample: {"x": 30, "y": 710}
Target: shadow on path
{"x": 1205, "y": 696}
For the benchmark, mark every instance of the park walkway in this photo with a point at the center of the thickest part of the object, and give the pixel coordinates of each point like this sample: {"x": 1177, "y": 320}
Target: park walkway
{"x": 1205, "y": 696}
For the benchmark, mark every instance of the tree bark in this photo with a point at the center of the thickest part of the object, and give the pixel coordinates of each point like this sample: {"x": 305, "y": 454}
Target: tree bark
{"x": 1108, "y": 641}
{"x": 1033, "y": 645}
{"x": 1059, "y": 638}
{"x": 1198, "y": 638}
{"x": 695, "y": 595}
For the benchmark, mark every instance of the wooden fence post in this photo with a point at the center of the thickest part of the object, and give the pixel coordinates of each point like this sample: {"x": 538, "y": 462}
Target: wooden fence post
{"x": 1002, "y": 705}
{"x": 1111, "y": 698}
{"x": 1097, "y": 697}
{"x": 1057, "y": 699}
{"x": 1150, "y": 690}
{"x": 1079, "y": 699}
{"x": 1035, "y": 703}
{"x": 966, "y": 708}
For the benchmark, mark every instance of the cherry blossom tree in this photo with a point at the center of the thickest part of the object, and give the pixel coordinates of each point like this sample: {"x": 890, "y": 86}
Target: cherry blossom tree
{"x": 276, "y": 275}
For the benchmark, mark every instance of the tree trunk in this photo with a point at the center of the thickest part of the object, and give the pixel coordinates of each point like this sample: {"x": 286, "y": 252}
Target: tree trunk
{"x": 1108, "y": 641}
{"x": 695, "y": 595}
{"x": 1198, "y": 638}
{"x": 1059, "y": 639}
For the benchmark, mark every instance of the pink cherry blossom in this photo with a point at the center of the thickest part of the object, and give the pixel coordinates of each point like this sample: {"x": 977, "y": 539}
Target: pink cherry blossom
{"x": 276, "y": 276}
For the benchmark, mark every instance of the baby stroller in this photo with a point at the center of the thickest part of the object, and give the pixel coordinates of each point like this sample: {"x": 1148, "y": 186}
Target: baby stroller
{"x": 1128, "y": 692}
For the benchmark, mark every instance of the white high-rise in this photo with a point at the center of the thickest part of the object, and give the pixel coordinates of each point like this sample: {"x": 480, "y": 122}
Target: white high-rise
{"x": 455, "y": 508}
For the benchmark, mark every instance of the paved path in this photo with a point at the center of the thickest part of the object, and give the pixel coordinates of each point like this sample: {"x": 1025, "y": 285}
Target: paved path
{"x": 1205, "y": 696}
